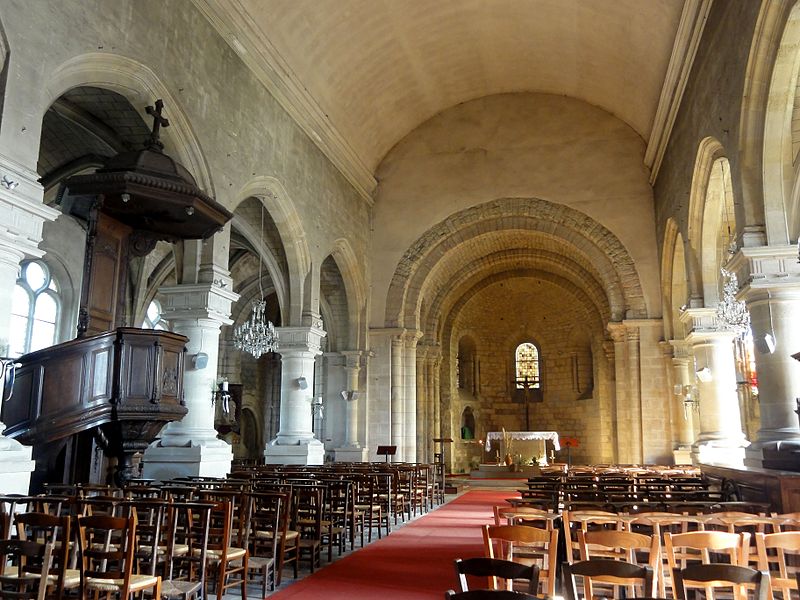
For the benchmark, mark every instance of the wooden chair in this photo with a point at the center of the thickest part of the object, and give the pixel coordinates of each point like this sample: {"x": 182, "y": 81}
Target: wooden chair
{"x": 56, "y": 531}
{"x": 106, "y": 546}
{"x": 266, "y": 538}
{"x": 187, "y": 531}
{"x": 308, "y": 511}
{"x": 779, "y": 555}
{"x": 526, "y": 545}
{"x": 625, "y": 546}
{"x": 24, "y": 570}
{"x": 585, "y": 520}
{"x": 223, "y": 559}
{"x": 683, "y": 549}
{"x": 488, "y": 595}
{"x": 524, "y": 515}
{"x": 494, "y": 569}
{"x": 714, "y": 576}
{"x": 610, "y": 572}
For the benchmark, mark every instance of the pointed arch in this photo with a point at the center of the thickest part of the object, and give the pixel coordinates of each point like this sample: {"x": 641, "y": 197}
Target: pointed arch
{"x": 273, "y": 195}
{"x": 355, "y": 288}
{"x": 141, "y": 86}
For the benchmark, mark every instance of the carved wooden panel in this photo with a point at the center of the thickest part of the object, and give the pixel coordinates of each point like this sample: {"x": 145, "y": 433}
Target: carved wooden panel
{"x": 104, "y": 290}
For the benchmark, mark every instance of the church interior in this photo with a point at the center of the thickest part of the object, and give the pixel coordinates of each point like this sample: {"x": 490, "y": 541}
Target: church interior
{"x": 259, "y": 232}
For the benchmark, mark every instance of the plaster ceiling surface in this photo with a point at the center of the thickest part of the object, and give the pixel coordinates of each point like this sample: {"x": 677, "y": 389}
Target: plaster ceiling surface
{"x": 379, "y": 68}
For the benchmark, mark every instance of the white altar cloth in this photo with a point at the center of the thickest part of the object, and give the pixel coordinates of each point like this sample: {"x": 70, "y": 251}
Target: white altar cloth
{"x": 523, "y": 435}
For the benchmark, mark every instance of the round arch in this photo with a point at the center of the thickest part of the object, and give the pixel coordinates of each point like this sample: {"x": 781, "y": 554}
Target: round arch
{"x": 355, "y": 288}
{"x": 141, "y": 86}
{"x": 605, "y": 251}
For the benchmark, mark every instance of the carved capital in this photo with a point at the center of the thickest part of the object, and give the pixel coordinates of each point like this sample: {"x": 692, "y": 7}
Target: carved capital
{"x": 197, "y": 301}
{"x": 299, "y": 340}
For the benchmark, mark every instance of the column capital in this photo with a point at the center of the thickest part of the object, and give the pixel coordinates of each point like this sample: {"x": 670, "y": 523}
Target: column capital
{"x": 22, "y": 210}
{"x": 617, "y": 331}
{"x": 294, "y": 340}
{"x": 701, "y": 321}
{"x": 680, "y": 349}
{"x": 190, "y": 301}
{"x": 352, "y": 358}
{"x": 765, "y": 267}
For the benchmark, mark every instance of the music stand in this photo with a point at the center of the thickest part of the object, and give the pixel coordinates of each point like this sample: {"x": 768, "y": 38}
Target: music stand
{"x": 386, "y": 451}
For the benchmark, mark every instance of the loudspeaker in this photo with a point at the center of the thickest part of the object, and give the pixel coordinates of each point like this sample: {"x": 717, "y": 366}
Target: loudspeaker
{"x": 200, "y": 360}
{"x": 765, "y": 344}
{"x": 302, "y": 383}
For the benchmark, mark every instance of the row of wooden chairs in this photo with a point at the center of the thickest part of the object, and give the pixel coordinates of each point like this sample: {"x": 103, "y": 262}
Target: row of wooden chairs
{"x": 639, "y": 579}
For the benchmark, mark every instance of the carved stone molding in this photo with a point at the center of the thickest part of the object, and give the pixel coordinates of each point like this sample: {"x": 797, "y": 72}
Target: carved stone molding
{"x": 198, "y": 301}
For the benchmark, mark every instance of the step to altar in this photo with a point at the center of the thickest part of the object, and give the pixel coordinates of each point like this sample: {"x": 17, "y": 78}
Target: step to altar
{"x": 494, "y": 471}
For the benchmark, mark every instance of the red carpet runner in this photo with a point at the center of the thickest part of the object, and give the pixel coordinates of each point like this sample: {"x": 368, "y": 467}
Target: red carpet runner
{"x": 414, "y": 562}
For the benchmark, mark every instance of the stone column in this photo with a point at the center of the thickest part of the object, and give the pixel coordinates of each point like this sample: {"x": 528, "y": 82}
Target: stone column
{"x": 352, "y": 451}
{"x": 22, "y": 216}
{"x": 636, "y": 418}
{"x": 410, "y": 400}
{"x": 295, "y": 443}
{"x": 621, "y": 415}
{"x": 423, "y": 426}
{"x": 397, "y": 396}
{"x": 770, "y": 286}
{"x": 684, "y": 414}
{"x": 431, "y": 366}
{"x": 190, "y": 447}
{"x": 721, "y": 440}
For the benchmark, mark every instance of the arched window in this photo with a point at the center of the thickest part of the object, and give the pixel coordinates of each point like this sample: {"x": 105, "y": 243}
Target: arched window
{"x": 153, "y": 319}
{"x": 526, "y": 359}
{"x": 35, "y": 307}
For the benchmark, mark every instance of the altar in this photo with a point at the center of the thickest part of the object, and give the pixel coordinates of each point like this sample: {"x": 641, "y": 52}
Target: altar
{"x": 530, "y": 445}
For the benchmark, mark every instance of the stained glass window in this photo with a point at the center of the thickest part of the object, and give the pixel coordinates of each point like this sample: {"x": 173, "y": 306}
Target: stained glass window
{"x": 527, "y": 366}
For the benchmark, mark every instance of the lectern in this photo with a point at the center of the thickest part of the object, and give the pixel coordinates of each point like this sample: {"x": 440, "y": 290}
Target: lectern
{"x": 386, "y": 451}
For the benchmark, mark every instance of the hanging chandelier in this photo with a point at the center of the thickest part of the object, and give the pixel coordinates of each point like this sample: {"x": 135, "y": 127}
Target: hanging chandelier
{"x": 732, "y": 312}
{"x": 257, "y": 335}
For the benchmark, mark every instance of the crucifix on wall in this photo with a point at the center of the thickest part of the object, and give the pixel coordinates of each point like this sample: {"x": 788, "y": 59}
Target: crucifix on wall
{"x": 527, "y": 390}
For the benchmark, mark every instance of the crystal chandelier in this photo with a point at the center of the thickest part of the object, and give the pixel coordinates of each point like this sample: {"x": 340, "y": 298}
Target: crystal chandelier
{"x": 257, "y": 335}
{"x": 730, "y": 311}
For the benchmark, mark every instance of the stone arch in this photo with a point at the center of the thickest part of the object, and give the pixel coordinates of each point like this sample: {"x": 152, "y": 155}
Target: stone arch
{"x": 709, "y": 152}
{"x": 512, "y": 260}
{"x": 674, "y": 290}
{"x": 355, "y": 289}
{"x": 5, "y": 56}
{"x": 141, "y": 86}
{"x": 271, "y": 193}
{"x": 604, "y": 249}
{"x": 758, "y": 74}
{"x": 779, "y": 167}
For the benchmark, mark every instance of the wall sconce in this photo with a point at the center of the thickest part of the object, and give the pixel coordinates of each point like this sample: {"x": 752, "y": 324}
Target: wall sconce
{"x": 350, "y": 395}
{"x": 691, "y": 398}
{"x": 704, "y": 374}
{"x": 200, "y": 360}
{"x": 9, "y": 183}
{"x": 222, "y": 393}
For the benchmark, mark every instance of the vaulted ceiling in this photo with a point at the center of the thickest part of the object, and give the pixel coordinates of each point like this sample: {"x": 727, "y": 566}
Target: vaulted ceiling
{"x": 359, "y": 75}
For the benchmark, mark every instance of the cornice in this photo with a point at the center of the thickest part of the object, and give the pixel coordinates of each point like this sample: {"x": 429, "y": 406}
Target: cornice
{"x": 687, "y": 39}
{"x": 232, "y": 21}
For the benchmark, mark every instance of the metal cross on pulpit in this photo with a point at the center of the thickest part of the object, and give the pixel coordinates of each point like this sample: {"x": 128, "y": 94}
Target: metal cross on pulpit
{"x": 158, "y": 123}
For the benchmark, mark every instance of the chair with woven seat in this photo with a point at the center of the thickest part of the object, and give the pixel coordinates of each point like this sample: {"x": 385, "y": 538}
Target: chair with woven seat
{"x": 526, "y": 545}
{"x": 106, "y": 546}
{"x": 713, "y": 576}
{"x": 24, "y": 566}
{"x": 494, "y": 569}
{"x": 187, "y": 532}
{"x": 618, "y": 574}
{"x": 685, "y": 549}
{"x": 266, "y": 537}
{"x": 56, "y": 531}
{"x": 621, "y": 545}
{"x": 779, "y": 555}
{"x": 223, "y": 559}
{"x": 307, "y": 521}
